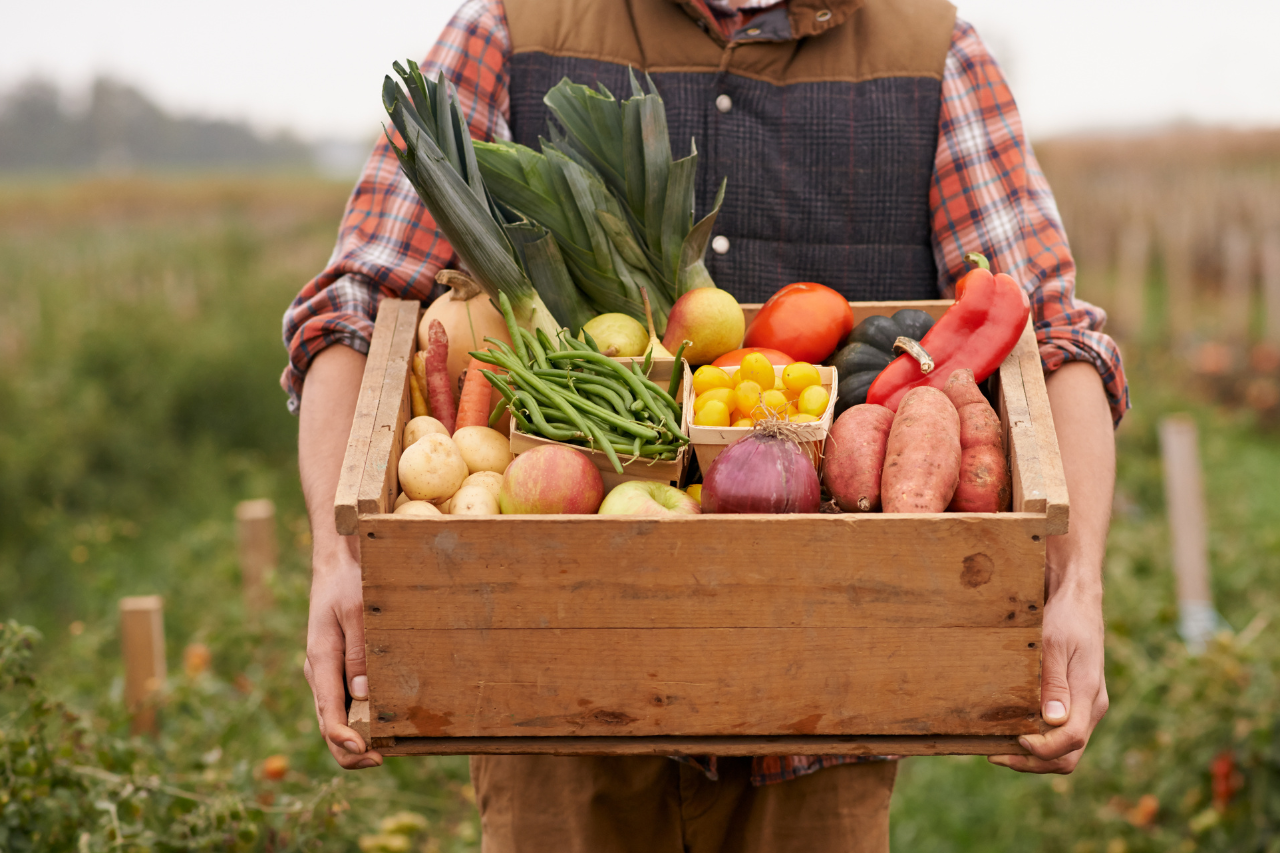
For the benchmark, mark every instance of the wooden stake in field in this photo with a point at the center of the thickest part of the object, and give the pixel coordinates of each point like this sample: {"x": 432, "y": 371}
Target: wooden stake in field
{"x": 1188, "y": 529}
{"x": 1271, "y": 286}
{"x": 1129, "y": 304}
{"x": 259, "y": 551}
{"x": 1237, "y": 281}
{"x": 142, "y": 643}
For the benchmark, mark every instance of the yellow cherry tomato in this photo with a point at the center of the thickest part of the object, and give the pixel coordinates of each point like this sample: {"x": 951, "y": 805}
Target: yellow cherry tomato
{"x": 813, "y": 400}
{"x": 800, "y": 375}
{"x": 791, "y": 395}
{"x": 724, "y": 396}
{"x": 802, "y": 418}
{"x": 758, "y": 369}
{"x": 713, "y": 414}
{"x": 747, "y": 397}
{"x": 743, "y": 422}
{"x": 772, "y": 405}
{"x": 695, "y": 492}
{"x": 792, "y": 410}
{"x": 778, "y": 384}
{"x": 736, "y": 379}
{"x": 709, "y": 376}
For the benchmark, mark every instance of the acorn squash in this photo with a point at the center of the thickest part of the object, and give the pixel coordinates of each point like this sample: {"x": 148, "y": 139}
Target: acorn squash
{"x": 870, "y": 350}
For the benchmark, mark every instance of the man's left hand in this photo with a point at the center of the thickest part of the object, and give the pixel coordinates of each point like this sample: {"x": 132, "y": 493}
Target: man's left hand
{"x": 1073, "y": 689}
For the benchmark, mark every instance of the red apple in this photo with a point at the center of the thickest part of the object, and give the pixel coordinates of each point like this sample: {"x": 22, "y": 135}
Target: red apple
{"x": 648, "y": 497}
{"x": 548, "y": 480}
{"x": 710, "y": 319}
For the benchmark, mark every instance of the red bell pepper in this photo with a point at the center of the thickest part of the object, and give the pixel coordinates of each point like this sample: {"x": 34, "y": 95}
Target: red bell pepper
{"x": 977, "y": 332}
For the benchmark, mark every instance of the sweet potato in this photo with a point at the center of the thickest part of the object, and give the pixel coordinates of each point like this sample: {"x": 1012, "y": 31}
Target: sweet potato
{"x": 922, "y": 457}
{"x": 855, "y": 457}
{"x": 984, "y": 472}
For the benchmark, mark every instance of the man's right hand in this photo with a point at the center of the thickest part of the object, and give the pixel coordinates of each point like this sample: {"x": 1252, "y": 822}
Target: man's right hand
{"x": 335, "y": 627}
{"x": 335, "y": 651}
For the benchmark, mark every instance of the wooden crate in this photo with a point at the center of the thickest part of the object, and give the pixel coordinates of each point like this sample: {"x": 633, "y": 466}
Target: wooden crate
{"x": 728, "y": 634}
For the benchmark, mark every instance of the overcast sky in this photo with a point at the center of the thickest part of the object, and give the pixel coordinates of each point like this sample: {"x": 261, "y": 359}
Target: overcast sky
{"x": 316, "y": 67}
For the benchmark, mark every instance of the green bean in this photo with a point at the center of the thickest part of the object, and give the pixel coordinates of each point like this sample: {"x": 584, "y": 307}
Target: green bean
{"x": 544, "y": 428}
{"x": 496, "y": 415}
{"x": 636, "y": 386}
{"x": 605, "y": 445}
{"x": 591, "y": 342}
{"x": 575, "y": 345}
{"x": 648, "y": 360}
{"x": 531, "y": 344}
{"x": 544, "y": 339}
{"x": 677, "y": 371}
{"x": 661, "y": 392}
{"x": 512, "y": 327}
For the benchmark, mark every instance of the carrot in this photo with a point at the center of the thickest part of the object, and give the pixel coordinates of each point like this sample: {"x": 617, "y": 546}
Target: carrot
{"x": 473, "y": 407}
{"x": 439, "y": 394}
{"x": 418, "y": 402}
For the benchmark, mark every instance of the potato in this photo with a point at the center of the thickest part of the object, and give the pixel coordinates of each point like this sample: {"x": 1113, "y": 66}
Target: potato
{"x": 922, "y": 456}
{"x": 417, "y": 508}
{"x": 420, "y": 426}
{"x": 473, "y": 500}
{"x": 984, "y": 472}
{"x": 488, "y": 479}
{"x": 401, "y": 500}
{"x": 483, "y": 449}
{"x": 855, "y": 457}
{"x": 431, "y": 469}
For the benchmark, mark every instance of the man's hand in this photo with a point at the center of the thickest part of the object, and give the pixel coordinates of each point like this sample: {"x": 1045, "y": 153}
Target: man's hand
{"x": 335, "y": 627}
{"x": 1073, "y": 690}
{"x": 335, "y": 648}
{"x": 1073, "y": 693}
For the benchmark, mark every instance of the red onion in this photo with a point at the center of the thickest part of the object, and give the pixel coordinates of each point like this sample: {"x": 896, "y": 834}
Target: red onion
{"x": 768, "y": 471}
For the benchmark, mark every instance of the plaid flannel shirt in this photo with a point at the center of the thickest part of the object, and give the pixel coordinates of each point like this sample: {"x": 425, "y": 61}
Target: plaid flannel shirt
{"x": 988, "y": 194}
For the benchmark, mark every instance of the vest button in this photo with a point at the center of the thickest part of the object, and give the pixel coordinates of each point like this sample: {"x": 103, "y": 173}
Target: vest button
{"x": 724, "y": 103}
{"x": 720, "y": 245}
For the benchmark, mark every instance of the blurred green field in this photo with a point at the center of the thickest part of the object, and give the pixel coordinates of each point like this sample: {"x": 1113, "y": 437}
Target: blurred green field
{"x": 139, "y": 401}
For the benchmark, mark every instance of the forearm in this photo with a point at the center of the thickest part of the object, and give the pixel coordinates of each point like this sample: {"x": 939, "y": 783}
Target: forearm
{"x": 324, "y": 424}
{"x": 1086, "y": 441}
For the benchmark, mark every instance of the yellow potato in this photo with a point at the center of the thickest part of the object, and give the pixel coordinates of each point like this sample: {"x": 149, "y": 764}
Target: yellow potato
{"x": 490, "y": 480}
{"x": 483, "y": 449}
{"x": 473, "y": 500}
{"x": 419, "y": 508}
{"x": 420, "y": 426}
{"x": 431, "y": 469}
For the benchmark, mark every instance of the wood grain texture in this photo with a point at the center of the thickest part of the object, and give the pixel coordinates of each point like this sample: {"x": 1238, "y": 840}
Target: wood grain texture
{"x": 378, "y": 483}
{"x": 1020, "y": 436}
{"x": 358, "y": 717}
{"x": 704, "y": 681}
{"x": 1054, "y": 481}
{"x": 346, "y": 502}
{"x": 142, "y": 645}
{"x": 722, "y": 746}
{"x": 850, "y": 570}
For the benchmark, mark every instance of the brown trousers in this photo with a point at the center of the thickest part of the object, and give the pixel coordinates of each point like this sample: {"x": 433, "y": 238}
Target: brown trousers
{"x": 548, "y": 804}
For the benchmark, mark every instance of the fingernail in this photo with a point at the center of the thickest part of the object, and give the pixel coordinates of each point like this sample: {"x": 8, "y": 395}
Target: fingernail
{"x": 367, "y": 763}
{"x": 1054, "y": 710}
{"x": 360, "y": 687}
{"x": 352, "y": 746}
{"x": 1025, "y": 743}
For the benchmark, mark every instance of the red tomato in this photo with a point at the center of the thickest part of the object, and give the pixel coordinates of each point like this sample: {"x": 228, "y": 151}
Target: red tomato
{"x": 733, "y": 359}
{"x": 805, "y": 319}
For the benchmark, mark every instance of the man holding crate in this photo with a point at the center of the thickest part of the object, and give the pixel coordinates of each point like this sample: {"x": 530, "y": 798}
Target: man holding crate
{"x": 868, "y": 144}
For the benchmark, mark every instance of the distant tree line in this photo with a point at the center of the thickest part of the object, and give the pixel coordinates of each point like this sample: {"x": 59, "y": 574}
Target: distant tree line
{"x": 120, "y": 129}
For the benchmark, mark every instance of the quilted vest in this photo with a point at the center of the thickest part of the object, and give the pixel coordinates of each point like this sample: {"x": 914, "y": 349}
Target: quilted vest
{"x": 822, "y": 115}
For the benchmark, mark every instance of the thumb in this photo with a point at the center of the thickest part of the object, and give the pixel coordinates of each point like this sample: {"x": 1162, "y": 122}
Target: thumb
{"x": 1055, "y": 690}
{"x": 357, "y": 678}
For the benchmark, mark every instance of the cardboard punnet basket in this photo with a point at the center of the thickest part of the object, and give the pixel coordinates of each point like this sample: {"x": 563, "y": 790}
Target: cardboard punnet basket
{"x": 854, "y": 634}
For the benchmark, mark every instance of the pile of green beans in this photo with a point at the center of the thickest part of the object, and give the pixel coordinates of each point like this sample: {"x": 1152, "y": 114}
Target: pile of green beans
{"x": 569, "y": 391}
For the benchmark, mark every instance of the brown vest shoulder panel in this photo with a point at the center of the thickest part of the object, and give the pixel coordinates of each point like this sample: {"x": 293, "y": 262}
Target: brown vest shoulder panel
{"x": 882, "y": 38}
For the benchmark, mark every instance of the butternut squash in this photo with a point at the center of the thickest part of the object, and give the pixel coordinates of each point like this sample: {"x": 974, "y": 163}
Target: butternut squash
{"x": 468, "y": 318}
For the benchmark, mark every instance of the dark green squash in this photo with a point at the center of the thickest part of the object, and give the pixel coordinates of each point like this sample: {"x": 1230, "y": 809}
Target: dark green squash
{"x": 870, "y": 350}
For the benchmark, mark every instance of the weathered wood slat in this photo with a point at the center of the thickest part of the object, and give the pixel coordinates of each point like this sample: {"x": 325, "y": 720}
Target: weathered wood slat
{"x": 722, "y": 746}
{"x": 1046, "y": 438}
{"x": 704, "y": 681}
{"x": 346, "y": 510}
{"x": 1020, "y": 436}
{"x": 710, "y": 571}
{"x": 378, "y": 483}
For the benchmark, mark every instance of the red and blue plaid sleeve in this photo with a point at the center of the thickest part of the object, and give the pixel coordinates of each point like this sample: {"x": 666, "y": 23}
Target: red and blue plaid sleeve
{"x": 989, "y": 195}
{"x": 388, "y": 244}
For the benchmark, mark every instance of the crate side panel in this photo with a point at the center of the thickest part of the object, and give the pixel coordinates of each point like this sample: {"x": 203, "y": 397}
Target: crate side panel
{"x": 704, "y": 571}
{"x": 705, "y": 681}
{"x": 1036, "y": 393}
{"x": 1020, "y": 438}
{"x": 378, "y": 485}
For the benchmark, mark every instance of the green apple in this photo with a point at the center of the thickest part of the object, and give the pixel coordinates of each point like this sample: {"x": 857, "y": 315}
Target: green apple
{"x": 623, "y": 333}
{"x": 648, "y": 497}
